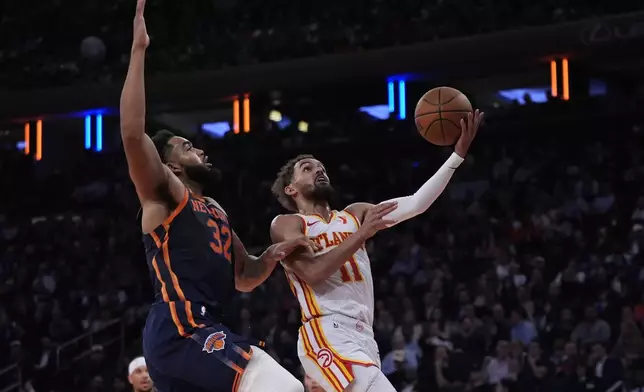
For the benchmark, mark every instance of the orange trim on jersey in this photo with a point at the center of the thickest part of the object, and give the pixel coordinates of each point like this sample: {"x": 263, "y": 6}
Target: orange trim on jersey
{"x": 313, "y": 308}
{"x": 175, "y": 318}
{"x": 173, "y": 276}
{"x": 322, "y": 342}
{"x": 164, "y": 290}
{"x": 294, "y": 291}
{"x": 155, "y": 238}
{"x": 236, "y": 382}
{"x": 243, "y": 353}
{"x": 326, "y": 372}
{"x": 315, "y": 324}
{"x": 191, "y": 319}
{"x": 355, "y": 218}
{"x": 236, "y": 368}
{"x": 177, "y": 210}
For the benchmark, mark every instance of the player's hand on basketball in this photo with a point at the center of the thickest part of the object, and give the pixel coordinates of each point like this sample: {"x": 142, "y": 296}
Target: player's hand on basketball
{"x": 281, "y": 250}
{"x": 374, "y": 220}
{"x": 141, "y": 39}
{"x": 469, "y": 128}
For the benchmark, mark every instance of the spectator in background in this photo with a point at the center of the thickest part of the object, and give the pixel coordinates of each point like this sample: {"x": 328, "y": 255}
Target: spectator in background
{"x": 533, "y": 375}
{"x": 401, "y": 361}
{"x": 606, "y": 372}
{"x": 591, "y": 330}
{"x": 138, "y": 375}
{"x": 523, "y": 330}
{"x": 501, "y": 368}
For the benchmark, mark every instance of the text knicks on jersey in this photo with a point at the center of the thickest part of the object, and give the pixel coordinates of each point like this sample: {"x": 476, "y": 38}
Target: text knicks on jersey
{"x": 216, "y": 222}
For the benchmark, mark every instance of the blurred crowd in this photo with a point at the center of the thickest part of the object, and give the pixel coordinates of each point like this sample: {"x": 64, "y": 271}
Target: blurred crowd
{"x": 525, "y": 275}
{"x": 62, "y": 42}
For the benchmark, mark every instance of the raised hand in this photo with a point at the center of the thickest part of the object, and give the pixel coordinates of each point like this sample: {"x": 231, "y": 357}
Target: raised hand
{"x": 140, "y": 39}
{"x": 469, "y": 128}
{"x": 373, "y": 220}
{"x": 281, "y": 250}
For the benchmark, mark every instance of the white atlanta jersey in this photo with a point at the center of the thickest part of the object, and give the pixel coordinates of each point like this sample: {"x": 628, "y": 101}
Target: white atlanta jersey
{"x": 349, "y": 291}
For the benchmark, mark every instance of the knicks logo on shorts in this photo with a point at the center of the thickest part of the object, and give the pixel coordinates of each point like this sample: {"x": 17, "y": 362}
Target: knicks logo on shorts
{"x": 325, "y": 358}
{"x": 215, "y": 342}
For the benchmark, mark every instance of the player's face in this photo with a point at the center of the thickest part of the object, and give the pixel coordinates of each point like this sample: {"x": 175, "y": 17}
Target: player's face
{"x": 140, "y": 379}
{"x": 190, "y": 161}
{"x": 311, "y": 181}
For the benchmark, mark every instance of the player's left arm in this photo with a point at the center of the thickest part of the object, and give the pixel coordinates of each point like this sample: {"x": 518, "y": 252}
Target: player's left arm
{"x": 419, "y": 202}
{"x": 251, "y": 271}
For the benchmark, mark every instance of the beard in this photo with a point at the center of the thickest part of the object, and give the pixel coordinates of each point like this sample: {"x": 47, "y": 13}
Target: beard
{"x": 321, "y": 193}
{"x": 206, "y": 177}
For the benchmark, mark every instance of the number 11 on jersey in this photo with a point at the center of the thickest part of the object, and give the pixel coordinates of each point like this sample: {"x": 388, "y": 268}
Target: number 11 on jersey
{"x": 350, "y": 272}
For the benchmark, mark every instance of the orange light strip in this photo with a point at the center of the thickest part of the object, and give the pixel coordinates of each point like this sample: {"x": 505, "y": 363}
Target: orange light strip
{"x": 27, "y": 135}
{"x": 38, "y": 140}
{"x": 236, "y": 115}
{"x": 246, "y": 113}
{"x": 553, "y": 78}
{"x": 565, "y": 80}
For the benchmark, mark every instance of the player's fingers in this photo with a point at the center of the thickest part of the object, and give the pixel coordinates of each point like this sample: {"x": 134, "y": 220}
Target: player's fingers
{"x": 384, "y": 210}
{"x": 463, "y": 127}
{"x": 140, "y": 6}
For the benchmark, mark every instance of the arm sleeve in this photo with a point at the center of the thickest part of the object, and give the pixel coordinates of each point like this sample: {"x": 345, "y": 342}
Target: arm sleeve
{"x": 419, "y": 202}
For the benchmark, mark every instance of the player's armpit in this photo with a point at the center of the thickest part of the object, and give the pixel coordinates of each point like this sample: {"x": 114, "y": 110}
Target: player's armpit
{"x": 250, "y": 271}
{"x": 358, "y": 210}
{"x": 309, "y": 267}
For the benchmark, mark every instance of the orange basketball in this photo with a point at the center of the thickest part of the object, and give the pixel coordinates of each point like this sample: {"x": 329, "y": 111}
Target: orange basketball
{"x": 438, "y": 115}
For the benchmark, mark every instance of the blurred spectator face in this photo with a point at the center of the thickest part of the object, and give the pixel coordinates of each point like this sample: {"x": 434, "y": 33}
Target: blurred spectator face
{"x": 437, "y": 286}
{"x": 534, "y": 350}
{"x": 498, "y": 312}
{"x": 566, "y": 315}
{"x": 570, "y": 349}
{"x": 515, "y": 317}
{"x": 598, "y": 352}
{"x": 515, "y": 349}
{"x": 440, "y": 353}
{"x": 467, "y": 325}
{"x": 398, "y": 342}
{"x": 590, "y": 314}
{"x": 311, "y": 385}
{"x": 437, "y": 315}
{"x": 502, "y": 349}
{"x": 463, "y": 297}
{"x": 140, "y": 379}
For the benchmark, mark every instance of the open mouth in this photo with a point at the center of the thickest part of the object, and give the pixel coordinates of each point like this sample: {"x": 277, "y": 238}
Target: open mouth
{"x": 322, "y": 179}
{"x": 205, "y": 162}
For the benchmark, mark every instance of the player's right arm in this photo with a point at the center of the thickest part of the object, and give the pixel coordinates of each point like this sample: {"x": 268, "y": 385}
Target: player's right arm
{"x": 314, "y": 269}
{"x": 147, "y": 171}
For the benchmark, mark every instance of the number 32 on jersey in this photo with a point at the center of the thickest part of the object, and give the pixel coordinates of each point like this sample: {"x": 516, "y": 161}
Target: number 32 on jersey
{"x": 216, "y": 242}
{"x": 350, "y": 272}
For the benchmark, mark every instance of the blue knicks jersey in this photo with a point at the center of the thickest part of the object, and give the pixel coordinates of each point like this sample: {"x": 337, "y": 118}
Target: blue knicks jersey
{"x": 190, "y": 256}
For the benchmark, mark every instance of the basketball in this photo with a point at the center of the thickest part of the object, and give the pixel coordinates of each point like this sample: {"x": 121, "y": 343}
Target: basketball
{"x": 438, "y": 115}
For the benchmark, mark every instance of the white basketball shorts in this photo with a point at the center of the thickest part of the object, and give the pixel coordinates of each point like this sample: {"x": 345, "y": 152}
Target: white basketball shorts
{"x": 330, "y": 346}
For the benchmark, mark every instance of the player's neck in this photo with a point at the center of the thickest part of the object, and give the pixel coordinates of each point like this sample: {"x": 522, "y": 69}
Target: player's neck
{"x": 194, "y": 188}
{"x": 321, "y": 209}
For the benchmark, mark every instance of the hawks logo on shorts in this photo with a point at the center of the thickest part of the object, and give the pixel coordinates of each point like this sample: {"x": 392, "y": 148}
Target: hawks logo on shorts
{"x": 325, "y": 358}
{"x": 215, "y": 342}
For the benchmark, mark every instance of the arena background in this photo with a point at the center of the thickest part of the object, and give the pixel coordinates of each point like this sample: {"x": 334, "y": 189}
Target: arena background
{"x": 541, "y": 228}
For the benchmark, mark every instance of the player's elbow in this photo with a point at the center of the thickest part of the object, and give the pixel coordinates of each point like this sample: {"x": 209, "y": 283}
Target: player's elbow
{"x": 244, "y": 285}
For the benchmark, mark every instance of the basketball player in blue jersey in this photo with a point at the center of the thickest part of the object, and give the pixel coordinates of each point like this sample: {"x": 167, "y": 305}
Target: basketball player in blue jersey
{"x": 196, "y": 260}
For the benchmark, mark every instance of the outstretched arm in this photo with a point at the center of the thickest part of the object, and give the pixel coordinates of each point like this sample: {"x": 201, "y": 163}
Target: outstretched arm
{"x": 251, "y": 271}
{"x": 316, "y": 268}
{"x": 419, "y": 202}
{"x": 147, "y": 171}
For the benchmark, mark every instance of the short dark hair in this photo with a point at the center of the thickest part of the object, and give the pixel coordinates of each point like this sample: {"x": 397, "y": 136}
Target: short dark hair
{"x": 285, "y": 177}
{"x": 161, "y": 141}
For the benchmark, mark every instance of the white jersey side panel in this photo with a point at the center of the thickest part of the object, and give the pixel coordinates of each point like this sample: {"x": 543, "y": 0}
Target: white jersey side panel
{"x": 349, "y": 291}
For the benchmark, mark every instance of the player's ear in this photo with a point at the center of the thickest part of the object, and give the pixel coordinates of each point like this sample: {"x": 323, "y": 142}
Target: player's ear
{"x": 290, "y": 190}
{"x": 174, "y": 168}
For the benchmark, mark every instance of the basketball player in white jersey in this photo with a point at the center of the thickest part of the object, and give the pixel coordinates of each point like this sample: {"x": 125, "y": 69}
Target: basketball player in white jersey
{"x": 334, "y": 285}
